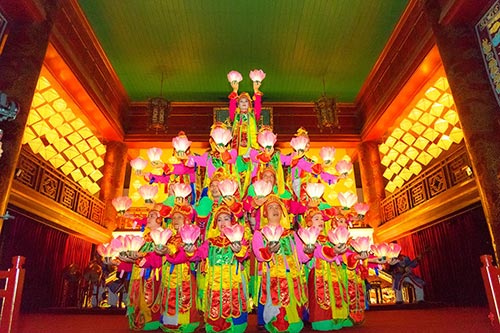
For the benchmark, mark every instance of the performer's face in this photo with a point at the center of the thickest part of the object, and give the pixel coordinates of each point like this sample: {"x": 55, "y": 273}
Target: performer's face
{"x": 274, "y": 213}
{"x": 214, "y": 190}
{"x": 243, "y": 104}
{"x": 317, "y": 221}
{"x": 268, "y": 176}
{"x": 223, "y": 220}
{"x": 153, "y": 220}
{"x": 177, "y": 221}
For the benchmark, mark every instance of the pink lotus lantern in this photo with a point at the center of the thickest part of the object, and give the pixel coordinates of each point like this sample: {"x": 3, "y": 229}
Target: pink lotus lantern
{"x": 234, "y": 233}
{"x": 181, "y": 190}
{"x": 339, "y": 235}
{"x": 118, "y": 244}
{"x": 299, "y": 143}
{"x": 266, "y": 139}
{"x": 315, "y": 190}
{"x": 154, "y": 154}
{"x": 272, "y": 233}
{"x": 343, "y": 167}
{"x": 262, "y": 188}
{"x": 309, "y": 235}
{"x": 380, "y": 250}
{"x": 189, "y": 233}
{"x": 138, "y": 164}
{"x": 134, "y": 243}
{"x": 121, "y": 204}
{"x": 160, "y": 236}
{"x": 347, "y": 199}
{"x": 106, "y": 250}
{"x": 361, "y": 244}
{"x": 148, "y": 192}
{"x": 361, "y": 208}
{"x": 394, "y": 249}
{"x": 181, "y": 143}
{"x": 221, "y": 136}
{"x": 234, "y": 76}
{"x": 228, "y": 187}
{"x": 257, "y": 75}
{"x": 327, "y": 154}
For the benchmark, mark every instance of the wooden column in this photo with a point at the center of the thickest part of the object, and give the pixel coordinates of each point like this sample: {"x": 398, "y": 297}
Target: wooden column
{"x": 20, "y": 64}
{"x": 372, "y": 180}
{"x": 115, "y": 163}
{"x": 477, "y": 107}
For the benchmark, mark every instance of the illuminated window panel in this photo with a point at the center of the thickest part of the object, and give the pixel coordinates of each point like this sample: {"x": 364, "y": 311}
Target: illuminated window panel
{"x": 390, "y": 187}
{"x": 433, "y": 94}
{"x": 400, "y": 146}
{"x": 79, "y": 160}
{"x": 434, "y": 150}
{"x": 385, "y": 161}
{"x": 395, "y": 168}
{"x": 33, "y": 118}
{"x": 388, "y": 174}
{"x": 93, "y": 141}
{"x": 28, "y": 135}
{"x": 46, "y": 111}
{"x": 56, "y": 120}
{"x": 51, "y": 136}
{"x": 41, "y": 128}
{"x": 412, "y": 153}
{"x": 452, "y": 117}
{"x": 100, "y": 149}
{"x": 405, "y": 125}
{"x": 37, "y": 100}
{"x": 77, "y": 175}
{"x": 68, "y": 115}
{"x": 430, "y": 134}
{"x": 398, "y": 181}
{"x": 424, "y": 158}
{"x": 390, "y": 141}
{"x": 74, "y": 138}
{"x": 456, "y": 135}
{"x": 98, "y": 162}
{"x": 405, "y": 174}
{"x": 445, "y": 142}
{"x": 82, "y": 146}
{"x": 415, "y": 114}
{"x": 441, "y": 125}
{"x": 65, "y": 129}
{"x": 88, "y": 168}
{"x": 135, "y": 197}
{"x": 397, "y": 133}
{"x": 57, "y": 161}
{"x": 71, "y": 153}
{"x": 415, "y": 168}
{"x": 68, "y": 168}
{"x": 77, "y": 124}
{"x": 442, "y": 84}
{"x": 427, "y": 119}
{"x": 42, "y": 83}
{"x": 437, "y": 109}
{"x": 423, "y": 104}
{"x": 90, "y": 155}
{"x": 61, "y": 144}
{"x": 93, "y": 188}
{"x": 96, "y": 175}
{"x": 418, "y": 128}
{"x": 85, "y": 133}
{"x": 408, "y": 139}
{"x": 402, "y": 160}
{"x": 447, "y": 100}
{"x": 36, "y": 144}
{"x": 50, "y": 94}
{"x": 421, "y": 143}
{"x": 48, "y": 153}
{"x": 85, "y": 182}
{"x": 348, "y": 182}
{"x": 59, "y": 105}
{"x": 392, "y": 154}
{"x": 383, "y": 148}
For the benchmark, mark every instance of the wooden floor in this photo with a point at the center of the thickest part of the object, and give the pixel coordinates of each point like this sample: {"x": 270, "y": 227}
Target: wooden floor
{"x": 438, "y": 320}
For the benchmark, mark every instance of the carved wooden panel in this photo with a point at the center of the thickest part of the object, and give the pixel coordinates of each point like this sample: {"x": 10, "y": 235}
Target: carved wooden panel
{"x": 68, "y": 196}
{"x": 48, "y": 185}
{"x": 29, "y": 171}
{"x": 402, "y": 203}
{"x": 437, "y": 183}
{"x": 417, "y": 193}
{"x": 83, "y": 206}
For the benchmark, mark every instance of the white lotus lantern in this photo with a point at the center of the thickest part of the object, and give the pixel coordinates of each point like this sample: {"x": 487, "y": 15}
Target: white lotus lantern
{"x": 343, "y": 167}
{"x": 138, "y": 164}
{"x": 181, "y": 143}
{"x": 257, "y": 75}
{"x": 181, "y": 190}
{"x": 221, "y": 136}
{"x": 309, "y": 235}
{"x": 234, "y": 233}
{"x": 228, "y": 187}
{"x": 272, "y": 233}
{"x": 148, "y": 192}
{"x": 121, "y": 204}
{"x": 262, "y": 188}
{"x": 315, "y": 190}
{"x": 160, "y": 236}
{"x": 299, "y": 143}
{"x": 339, "y": 235}
{"x": 234, "y": 76}
{"x": 361, "y": 208}
{"x": 347, "y": 199}
{"x": 361, "y": 244}
{"x": 327, "y": 154}
{"x": 154, "y": 154}
{"x": 266, "y": 139}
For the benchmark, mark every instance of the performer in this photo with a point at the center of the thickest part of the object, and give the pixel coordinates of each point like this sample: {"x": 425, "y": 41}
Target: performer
{"x": 282, "y": 291}
{"x": 401, "y": 270}
{"x": 225, "y": 299}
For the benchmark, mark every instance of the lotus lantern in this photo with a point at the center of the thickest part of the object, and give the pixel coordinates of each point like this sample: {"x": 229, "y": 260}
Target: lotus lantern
{"x": 315, "y": 190}
{"x": 339, "y": 235}
{"x": 189, "y": 233}
{"x": 266, "y": 139}
{"x": 299, "y": 143}
{"x": 228, "y": 187}
{"x": 181, "y": 143}
{"x": 272, "y": 233}
{"x": 181, "y": 190}
{"x": 118, "y": 244}
{"x": 361, "y": 208}
{"x": 347, "y": 199}
{"x": 154, "y": 154}
{"x": 262, "y": 188}
{"x": 148, "y": 192}
{"x": 343, "y": 167}
{"x": 380, "y": 250}
{"x": 121, "y": 204}
{"x": 106, "y": 250}
{"x": 309, "y": 235}
{"x": 134, "y": 243}
{"x": 361, "y": 244}
{"x": 234, "y": 76}
{"x": 327, "y": 154}
{"x": 234, "y": 233}
{"x": 394, "y": 250}
{"x": 160, "y": 236}
{"x": 138, "y": 164}
{"x": 257, "y": 75}
{"x": 221, "y": 136}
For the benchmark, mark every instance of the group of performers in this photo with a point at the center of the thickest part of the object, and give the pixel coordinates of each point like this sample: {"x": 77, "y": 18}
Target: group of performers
{"x": 249, "y": 233}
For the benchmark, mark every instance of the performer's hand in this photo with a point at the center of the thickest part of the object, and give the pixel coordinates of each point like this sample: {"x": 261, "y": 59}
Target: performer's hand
{"x": 340, "y": 248}
{"x": 256, "y": 86}
{"x": 180, "y": 201}
{"x": 162, "y": 250}
{"x": 259, "y": 201}
{"x": 274, "y": 247}
{"x": 313, "y": 202}
{"x": 309, "y": 248}
{"x": 157, "y": 164}
{"x": 235, "y": 85}
{"x": 220, "y": 149}
{"x": 229, "y": 200}
{"x": 236, "y": 247}
{"x": 393, "y": 261}
{"x": 363, "y": 255}
{"x": 189, "y": 248}
{"x": 181, "y": 155}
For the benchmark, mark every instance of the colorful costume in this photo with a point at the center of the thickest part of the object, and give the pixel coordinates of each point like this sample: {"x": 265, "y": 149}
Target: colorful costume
{"x": 244, "y": 123}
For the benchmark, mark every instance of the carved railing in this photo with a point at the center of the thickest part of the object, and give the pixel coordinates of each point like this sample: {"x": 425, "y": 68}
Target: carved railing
{"x": 438, "y": 178}
{"x": 41, "y": 176}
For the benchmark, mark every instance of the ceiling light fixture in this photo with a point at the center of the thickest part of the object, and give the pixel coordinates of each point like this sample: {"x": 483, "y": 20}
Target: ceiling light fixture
{"x": 327, "y": 111}
{"x": 159, "y": 109}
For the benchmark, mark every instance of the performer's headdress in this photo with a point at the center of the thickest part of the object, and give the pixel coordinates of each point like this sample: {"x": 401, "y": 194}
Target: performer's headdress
{"x": 284, "y": 221}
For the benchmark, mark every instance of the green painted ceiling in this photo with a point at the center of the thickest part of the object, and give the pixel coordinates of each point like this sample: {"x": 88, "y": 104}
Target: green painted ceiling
{"x": 299, "y": 44}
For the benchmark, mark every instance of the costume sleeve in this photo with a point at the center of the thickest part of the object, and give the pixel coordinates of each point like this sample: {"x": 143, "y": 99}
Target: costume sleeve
{"x": 324, "y": 252}
{"x": 233, "y": 102}
{"x": 179, "y": 257}
{"x": 237, "y": 209}
{"x": 303, "y": 257}
{"x": 244, "y": 252}
{"x": 257, "y": 105}
{"x": 200, "y": 253}
{"x": 259, "y": 249}
{"x": 197, "y": 160}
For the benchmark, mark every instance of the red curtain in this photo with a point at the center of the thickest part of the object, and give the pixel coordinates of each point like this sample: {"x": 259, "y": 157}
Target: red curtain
{"x": 48, "y": 251}
{"x": 450, "y": 262}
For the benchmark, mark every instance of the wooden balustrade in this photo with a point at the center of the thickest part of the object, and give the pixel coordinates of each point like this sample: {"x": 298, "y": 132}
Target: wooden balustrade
{"x": 491, "y": 275}
{"x": 11, "y": 295}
